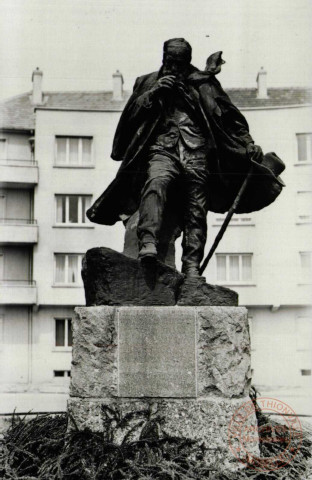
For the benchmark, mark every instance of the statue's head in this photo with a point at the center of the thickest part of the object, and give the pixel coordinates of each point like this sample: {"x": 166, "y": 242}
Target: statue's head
{"x": 177, "y": 57}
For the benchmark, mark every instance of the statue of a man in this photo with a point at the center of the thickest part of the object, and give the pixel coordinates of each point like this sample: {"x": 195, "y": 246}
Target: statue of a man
{"x": 182, "y": 142}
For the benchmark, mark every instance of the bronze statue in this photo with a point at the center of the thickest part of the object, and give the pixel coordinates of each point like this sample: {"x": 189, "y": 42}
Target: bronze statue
{"x": 184, "y": 146}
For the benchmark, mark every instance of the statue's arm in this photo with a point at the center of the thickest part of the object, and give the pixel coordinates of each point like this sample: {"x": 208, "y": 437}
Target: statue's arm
{"x": 137, "y": 111}
{"x": 151, "y": 93}
{"x": 237, "y": 124}
{"x": 141, "y": 92}
{"x": 143, "y": 97}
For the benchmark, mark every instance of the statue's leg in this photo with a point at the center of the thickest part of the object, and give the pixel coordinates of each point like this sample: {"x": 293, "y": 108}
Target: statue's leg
{"x": 162, "y": 171}
{"x": 169, "y": 232}
{"x": 195, "y": 216}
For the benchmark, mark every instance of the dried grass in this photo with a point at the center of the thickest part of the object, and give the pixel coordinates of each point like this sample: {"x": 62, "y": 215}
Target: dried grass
{"x": 41, "y": 449}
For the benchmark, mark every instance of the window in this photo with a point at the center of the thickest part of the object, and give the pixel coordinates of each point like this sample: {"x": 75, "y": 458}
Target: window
{"x": 305, "y": 372}
{"x": 243, "y": 219}
{"x": 2, "y": 206}
{"x": 63, "y": 332}
{"x": 61, "y": 373}
{"x": 1, "y": 266}
{"x": 304, "y": 207}
{"x": 3, "y": 149}
{"x": 304, "y": 333}
{"x": 67, "y": 269}
{"x": 306, "y": 266}
{"x": 1, "y": 330}
{"x": 234, "y": 267}
{"x": 73, "y": 151}
{"x": 304, "y": 144}
{"x": 71, "y": 209}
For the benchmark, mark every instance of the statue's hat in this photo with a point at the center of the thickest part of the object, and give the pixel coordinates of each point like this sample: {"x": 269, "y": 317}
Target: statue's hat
{"x": 178, "y": 46}
{"x": 273, "y": 165}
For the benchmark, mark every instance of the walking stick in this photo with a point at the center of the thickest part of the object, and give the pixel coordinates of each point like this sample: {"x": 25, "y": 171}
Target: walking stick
{"x": 226, "y": 221}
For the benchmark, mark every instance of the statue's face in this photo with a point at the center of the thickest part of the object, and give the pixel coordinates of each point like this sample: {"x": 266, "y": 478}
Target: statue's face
{"x": 175, "y": 65}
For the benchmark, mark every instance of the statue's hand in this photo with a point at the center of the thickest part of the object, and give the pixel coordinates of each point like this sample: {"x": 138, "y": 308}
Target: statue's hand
{"x": 164, "y": 83}
{"x": 255, "y": 152}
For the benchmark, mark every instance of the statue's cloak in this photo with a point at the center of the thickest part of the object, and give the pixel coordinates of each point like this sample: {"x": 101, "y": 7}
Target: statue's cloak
{"x": 227, "y": 138}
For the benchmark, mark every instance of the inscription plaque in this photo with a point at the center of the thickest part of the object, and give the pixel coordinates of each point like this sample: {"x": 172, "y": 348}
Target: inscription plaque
{"x": 157, "y": 352}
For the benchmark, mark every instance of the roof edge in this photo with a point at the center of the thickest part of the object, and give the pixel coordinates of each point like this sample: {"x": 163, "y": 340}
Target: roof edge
{"x": 276, "y": 107}
{"x": 14, "y": 97}
{"x": 79, "y": 109}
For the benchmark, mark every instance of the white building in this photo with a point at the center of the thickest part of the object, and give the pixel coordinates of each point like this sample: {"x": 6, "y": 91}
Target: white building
{"x": 55, "y": 160}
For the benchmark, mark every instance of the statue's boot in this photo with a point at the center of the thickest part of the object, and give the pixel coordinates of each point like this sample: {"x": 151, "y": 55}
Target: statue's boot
{"x": 148, "y": 252}
{"x": 193, "y": 246}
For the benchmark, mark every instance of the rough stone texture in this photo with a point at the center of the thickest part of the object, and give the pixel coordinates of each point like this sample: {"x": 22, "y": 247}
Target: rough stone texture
{"x": 206, "y": 420}
{"x": 111, "y": 278}
{"x": 195, "y": 291}
{"x": 104, "y": 357}
{"x": 94, "y": 370}
{"x": 223, "y": 355}
{"x": 157, "y": 352}
{"x": 149, "y": 372}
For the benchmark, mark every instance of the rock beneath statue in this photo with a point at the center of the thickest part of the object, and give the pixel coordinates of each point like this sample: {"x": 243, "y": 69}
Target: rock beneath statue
{"x": 195, "y": 291}
{"x": 111, "y": 278}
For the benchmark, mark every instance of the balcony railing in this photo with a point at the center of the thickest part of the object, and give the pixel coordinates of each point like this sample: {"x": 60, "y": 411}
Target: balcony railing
{"x": 18, "y": 283}
{"x": 18, "y": 292}
{"x": 18, "y": 172}
{"x": 17, "y": 221}
{"x": 18, "y": 230}
{"x": 14, "y": 162}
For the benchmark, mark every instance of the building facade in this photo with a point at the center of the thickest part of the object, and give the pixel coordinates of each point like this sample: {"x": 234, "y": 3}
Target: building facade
{"x": 55, "y": 160}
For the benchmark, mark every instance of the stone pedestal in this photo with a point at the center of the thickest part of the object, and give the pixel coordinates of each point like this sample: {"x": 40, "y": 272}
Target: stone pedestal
{"x": 156, "y": 371}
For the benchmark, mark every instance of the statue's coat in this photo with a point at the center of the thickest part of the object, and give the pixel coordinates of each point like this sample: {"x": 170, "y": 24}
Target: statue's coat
{"x": 227, "y": 135}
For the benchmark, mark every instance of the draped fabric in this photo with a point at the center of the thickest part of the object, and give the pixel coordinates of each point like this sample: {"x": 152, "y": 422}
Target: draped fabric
{"x": 61, "y": 149}
{"x": 72, "y": 268}
{"x": 234, "y": 267}
{"x": 246, "y": 267}
{"x": 73, "y": 150}
{"x": 60, "y": 209}
{"x": 73, "y": 208}
{"x": 59, "y": 268}
{"x": 227, "y": 134}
